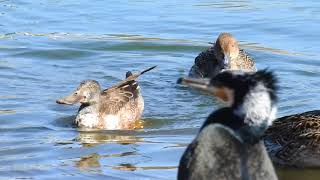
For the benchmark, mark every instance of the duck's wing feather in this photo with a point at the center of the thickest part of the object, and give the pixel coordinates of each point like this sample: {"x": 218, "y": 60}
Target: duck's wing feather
{"x": 129, "y": 79}
{"x": 295, "y": 140}
{"x": 117, "y": 96}
{"x": 294, "y": 127}
{"x": 204, "y": 64}
{"x": 247, "y": 62}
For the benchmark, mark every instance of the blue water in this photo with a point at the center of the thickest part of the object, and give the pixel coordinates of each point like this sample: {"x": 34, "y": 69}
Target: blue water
{"x": 48, "y": 46}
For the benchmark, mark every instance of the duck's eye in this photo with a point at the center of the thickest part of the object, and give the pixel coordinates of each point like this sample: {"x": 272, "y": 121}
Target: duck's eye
{"x": 75, "y": 93}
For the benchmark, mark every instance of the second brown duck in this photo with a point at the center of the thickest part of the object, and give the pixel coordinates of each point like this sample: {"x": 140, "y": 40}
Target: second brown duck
{"x": 225, "y": 54}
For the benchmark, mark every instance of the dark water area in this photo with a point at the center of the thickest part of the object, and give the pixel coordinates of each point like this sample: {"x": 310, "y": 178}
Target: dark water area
{"x": 48, "y": 46}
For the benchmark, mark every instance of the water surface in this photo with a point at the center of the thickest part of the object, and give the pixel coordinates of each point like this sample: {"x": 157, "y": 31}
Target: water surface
{"x": 48, "y": 46}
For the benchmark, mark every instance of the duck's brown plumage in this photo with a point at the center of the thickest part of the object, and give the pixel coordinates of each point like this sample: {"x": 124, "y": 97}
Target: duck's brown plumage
{"x": 209, "y": 62}
{"x": 124, "y": 100}
{"x": 295, "y": 140}
{"x": 118, "y": 107}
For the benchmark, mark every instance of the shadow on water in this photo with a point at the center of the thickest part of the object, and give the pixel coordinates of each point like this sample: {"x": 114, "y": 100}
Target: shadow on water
{"x": 7, "y": 111}
{"x": 128, "y": 144}
{"x": 89, "y": 163}
{"x": 92, "y": 163}
{"x": 130, "y": 167}
{"x": 129, "y": 141}
{"x": 90, "y": 139}
{"x": 298, "y": 174}
{"x": 65, "y": 122}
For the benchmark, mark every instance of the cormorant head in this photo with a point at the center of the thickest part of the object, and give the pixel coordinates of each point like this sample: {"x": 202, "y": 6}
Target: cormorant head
{"x": 234, "y": 87}
{"x": 88, "y": 92}
{"x": 226, "y": 50}
{"x": 251, "y": 95}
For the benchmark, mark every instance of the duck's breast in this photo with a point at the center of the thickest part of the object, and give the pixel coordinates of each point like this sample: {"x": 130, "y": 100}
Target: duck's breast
{"x": 89, "y": 120}
{"x": 111, "y": 121}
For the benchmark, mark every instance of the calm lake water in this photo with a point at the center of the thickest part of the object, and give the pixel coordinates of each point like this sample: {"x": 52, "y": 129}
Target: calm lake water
{"x": 48, "y": 46}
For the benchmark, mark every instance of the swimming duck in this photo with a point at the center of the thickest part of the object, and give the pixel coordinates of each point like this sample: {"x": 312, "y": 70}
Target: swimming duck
{"x": 225, "y": 54}
{"x": 295, "y": 140}
{"x": 228, "y": 144}
{"x": 118, "y": 107}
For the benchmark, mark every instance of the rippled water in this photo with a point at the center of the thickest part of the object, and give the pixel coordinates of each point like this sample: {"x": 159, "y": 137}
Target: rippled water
{"x": 48, "y": 46}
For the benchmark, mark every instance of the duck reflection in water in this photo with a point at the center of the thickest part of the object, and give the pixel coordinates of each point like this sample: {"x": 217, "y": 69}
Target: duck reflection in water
{"x": 94, "y": 138}
{"x": 91, "y": 139}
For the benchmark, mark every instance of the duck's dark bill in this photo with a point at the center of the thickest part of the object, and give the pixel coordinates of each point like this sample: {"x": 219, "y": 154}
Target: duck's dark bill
{"x": 71, "y": 99}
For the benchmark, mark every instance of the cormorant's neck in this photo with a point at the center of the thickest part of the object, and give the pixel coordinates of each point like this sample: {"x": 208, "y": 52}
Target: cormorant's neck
{"x": 226, "y": 117}
{"x": 249, "y": 119}
{"x": 257, "y": 108}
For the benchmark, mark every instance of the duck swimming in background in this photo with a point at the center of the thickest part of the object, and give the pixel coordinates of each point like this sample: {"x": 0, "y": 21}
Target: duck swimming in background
{"x": 295, "y": 140}
{"x": 118, "y": 107}
{"x": 228, "y": 144}
{"x": 225, "y": 54}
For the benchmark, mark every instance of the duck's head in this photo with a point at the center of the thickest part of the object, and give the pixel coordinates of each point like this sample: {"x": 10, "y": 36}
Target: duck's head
{"x": 251, "y": 95}
{"x": 226, "y": 50}
{"x": 88, "y": 92}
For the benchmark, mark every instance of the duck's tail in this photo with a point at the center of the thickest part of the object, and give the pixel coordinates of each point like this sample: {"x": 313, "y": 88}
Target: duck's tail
{"x": 128, "y": 74}
{"x": 130, "y": 77}
{"x": 149, "y": 69}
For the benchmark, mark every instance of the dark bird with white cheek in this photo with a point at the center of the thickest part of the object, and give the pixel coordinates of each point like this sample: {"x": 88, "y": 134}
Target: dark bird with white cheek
{"x": 228, "y": 145}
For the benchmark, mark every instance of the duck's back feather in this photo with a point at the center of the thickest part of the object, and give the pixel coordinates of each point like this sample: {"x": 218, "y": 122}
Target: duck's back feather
{"x": 295, "y": 140}
{"x": 245, "y": 62}
{"x": 293, "y": 127}
{"x": 119, "y": 97}
{"x": 206, "y": 64}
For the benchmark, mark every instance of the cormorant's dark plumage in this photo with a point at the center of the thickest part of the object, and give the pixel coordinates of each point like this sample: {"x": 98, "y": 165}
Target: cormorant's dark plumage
{"x": 228, "y": 146}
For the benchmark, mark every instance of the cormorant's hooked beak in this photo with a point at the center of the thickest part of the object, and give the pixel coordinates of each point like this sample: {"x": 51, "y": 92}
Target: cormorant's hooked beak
{"x": 71, "y": 99}
{"x": 201, "y": 84}
{"x": 204, "y": 85}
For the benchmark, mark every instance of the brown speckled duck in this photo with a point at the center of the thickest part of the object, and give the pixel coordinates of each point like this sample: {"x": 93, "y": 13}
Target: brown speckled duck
{"x": 118, "y": 107}
{"x": 295, "y": 140}
{"x": 223, "y": 55}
